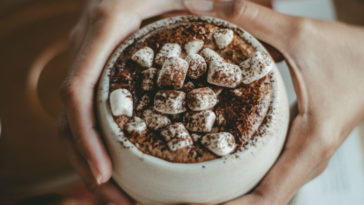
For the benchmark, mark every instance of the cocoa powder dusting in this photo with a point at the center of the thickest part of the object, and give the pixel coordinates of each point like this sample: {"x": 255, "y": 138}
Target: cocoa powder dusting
{"x": 239, "y": 111}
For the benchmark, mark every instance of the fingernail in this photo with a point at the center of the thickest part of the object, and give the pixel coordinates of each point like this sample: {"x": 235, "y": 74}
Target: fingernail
{"x": 97, "y": 176}
{"x": 199, "y": 5}
{"x": 99, "y": 180}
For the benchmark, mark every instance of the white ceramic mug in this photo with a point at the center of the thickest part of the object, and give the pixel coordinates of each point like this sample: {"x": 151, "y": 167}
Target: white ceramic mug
{"x": 151, "y": 180}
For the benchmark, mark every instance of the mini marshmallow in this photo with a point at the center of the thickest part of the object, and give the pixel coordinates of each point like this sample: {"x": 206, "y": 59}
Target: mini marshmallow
{"x": 177, "y": 136}
{"x": 187, "y": 87}
{"x": 173, "y": 73}
{"x": 220, "y": 118}
{"x": 195, "y": 137}
{"x": 201, "y": 99}
{"x": 121, "y": 102}
{"x": 143, "y": 103}
{"x": 200, "y": 121}
{"x": 197, "y": 66}
{"x": 154, "y": 120}
{"x": 210, "y": 55}
{"x": 168, "y": 50}
{"x": 148, "y": 79}
{"x": 256, "y": 67}
{"x": 224, "y": 74}
{"x": 170, "y": 101}
{"x": 193, "y": 47}
{"x": 223, "y": 37}
{"x": 176, "y": 144}
{"x": 144, "y": 57}
{"x": 222, "y": 143}
{"x": 136, "y": 126}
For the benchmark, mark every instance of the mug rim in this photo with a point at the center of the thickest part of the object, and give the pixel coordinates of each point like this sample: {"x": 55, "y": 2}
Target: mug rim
{"x": 103, "y": 88}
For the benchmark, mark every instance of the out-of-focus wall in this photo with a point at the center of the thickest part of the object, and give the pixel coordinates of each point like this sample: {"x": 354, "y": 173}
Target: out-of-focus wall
{"x": 350, "y": 11}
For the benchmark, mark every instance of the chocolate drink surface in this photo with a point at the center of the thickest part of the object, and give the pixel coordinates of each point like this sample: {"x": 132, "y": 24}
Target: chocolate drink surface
{"x": 199, "y": 92}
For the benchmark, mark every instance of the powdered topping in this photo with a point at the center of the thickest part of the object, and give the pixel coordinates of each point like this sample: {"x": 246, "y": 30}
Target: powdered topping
{"x": 154, "y": 120}
{"x": 177, "y": 136}
{"x": 143, "y": 103}
{"x": 255, "y": 67}
{"x": 222, "y": 143}
{"x": 170, "y": 101}
{"x": 144, "y": 57}
{"x": 197, "y": 66}
{"x": 148, "y": 79}
{"x": 136, "y": 126}
{"x": 173, "y": 73}
{"x": 201, "y": 99}
{"x": 121, "y": 102}
{"x": 224, "y": 74}
{"x": 200, "y": 121}
{"x": 193, "y": 47}
{"x": 210, "y": 55}
{"x": 168, "y": 50}
{"x": 223, "y": 37}
{"x": 182, "y": 95}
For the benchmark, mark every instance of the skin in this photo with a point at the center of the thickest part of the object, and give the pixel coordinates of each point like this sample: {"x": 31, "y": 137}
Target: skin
{"x": 326, "y": 64}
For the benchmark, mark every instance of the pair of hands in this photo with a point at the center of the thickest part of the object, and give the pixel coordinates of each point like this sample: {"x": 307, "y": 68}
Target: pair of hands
{"x": 326, "y": 63}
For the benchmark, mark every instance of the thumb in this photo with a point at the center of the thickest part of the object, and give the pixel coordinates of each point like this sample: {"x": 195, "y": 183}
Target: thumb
{"x": 267, "y": 25}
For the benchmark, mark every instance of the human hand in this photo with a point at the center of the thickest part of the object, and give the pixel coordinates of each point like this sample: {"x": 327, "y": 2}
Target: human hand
{"x": 102, "y": 26}
{"x": 326, "y": 62}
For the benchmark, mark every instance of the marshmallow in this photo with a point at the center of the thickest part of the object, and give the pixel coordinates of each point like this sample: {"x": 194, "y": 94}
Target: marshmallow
{"x": 238, "y": 92}
{"x": 170, "y": 101}
{"x": 173, "y": 73}
{"x": 168, "y": 50}
{"x": 136, "y": 126}
{"x": 201, "y": 99}
{"x": 223, "y": 37}
{"x": 177, "y": 136}
{"x": 121, "y": 102}
{"x": 154, "y": 120}
{"x": 222, "y": 143}
{"x": 197, "y": 66}
{"x": 193, "y": 47}
{"x": 143, "y": 103}
{"x": 255, "y": 67}
{"x": 148, "y": 78}
{"x": 187, "y": 87}
{"x": 200, "y": 121}
{"x": 220, "y": 118}
{"x": 195, "y": 137}
{"x": 224, "y": 74}
{"x": 176, "y": 144}
{"x": 210, "y": 55}
{"x": 144, "y": 57}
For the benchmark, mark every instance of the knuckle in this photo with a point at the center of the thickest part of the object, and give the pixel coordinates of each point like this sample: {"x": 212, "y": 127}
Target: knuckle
{"x": 327, "y": 140}
{"x": 301, "y": 30}
{"x": 63, "y": 128}
{"x": 68, "y": 91}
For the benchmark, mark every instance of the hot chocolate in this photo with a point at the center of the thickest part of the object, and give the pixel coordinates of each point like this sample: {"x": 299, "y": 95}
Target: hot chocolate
{"x": 191, "y": 92}
{"x": 192, "y": 110}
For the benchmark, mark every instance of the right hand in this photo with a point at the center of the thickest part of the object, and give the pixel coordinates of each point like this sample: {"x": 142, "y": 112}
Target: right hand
{"x": 326, "y": 62}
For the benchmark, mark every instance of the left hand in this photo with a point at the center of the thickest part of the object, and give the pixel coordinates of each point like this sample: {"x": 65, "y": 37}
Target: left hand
{"x": 102, "y": 26}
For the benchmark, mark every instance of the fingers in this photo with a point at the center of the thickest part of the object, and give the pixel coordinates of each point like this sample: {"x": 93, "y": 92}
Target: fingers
{"x": 269, "y": 26}
{"x": 300, "y": 162}
{"x": 107, "y": 192}
{"x": 101, "y": 35}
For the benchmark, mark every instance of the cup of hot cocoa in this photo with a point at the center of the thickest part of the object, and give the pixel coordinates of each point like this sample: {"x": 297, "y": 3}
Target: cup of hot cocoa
{"x": 192, "y": 110}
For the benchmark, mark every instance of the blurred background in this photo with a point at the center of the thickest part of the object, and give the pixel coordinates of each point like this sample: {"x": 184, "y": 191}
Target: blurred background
{"x": 34, "y": 58}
